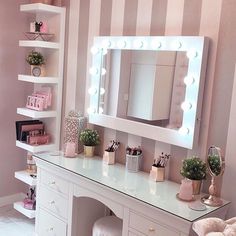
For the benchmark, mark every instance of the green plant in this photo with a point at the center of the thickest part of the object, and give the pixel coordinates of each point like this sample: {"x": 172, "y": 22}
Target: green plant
{"x": 89, "y": 137}
{"x": 35, "y": 58}
{"x": 193, "y": 168}
{"x": 214, "y": 164}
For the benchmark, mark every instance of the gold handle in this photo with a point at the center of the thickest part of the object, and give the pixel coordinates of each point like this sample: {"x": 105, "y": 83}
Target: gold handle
{"x": 151, "y": 229}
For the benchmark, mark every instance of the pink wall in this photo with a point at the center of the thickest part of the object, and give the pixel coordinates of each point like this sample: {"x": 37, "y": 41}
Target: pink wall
{"x": 12, "y": 94}
{"x": 214, "y": 19}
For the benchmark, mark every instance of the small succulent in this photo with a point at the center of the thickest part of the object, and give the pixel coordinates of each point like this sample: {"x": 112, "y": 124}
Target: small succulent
{"x": 35, "y": 58}
{"x": 193, "y": 168}
{"x": 89, "y": 137}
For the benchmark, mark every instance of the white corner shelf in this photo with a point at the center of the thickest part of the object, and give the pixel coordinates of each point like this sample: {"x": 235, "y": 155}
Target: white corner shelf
{"x": 38, "y": 44}
{"x": 36, "y": 114}
{"x": 35, "y": 148}
{"x": 38, "y": 80}
{"x": 25, "y": 177}
{"x": 40, "y": 8}
{"x": 19, "y": 206}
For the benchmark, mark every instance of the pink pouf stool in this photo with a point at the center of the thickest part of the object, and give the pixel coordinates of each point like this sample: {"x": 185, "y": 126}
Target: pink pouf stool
{"x": 108, "y": 226}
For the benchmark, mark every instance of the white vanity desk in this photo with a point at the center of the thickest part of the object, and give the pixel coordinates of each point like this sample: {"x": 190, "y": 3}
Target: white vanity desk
{"x": 66, "y": 187}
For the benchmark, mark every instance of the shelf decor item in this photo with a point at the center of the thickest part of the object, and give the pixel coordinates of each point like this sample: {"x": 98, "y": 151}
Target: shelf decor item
{"x": 133, "y": 159}
{"x": 89, "y": 138}
{"x": 157, "y": 172}
{"x": 194, "y": 169}
{"x": 109, "y": 153}
{"x": 36, "y": 60}
{"x": 74, "y": 124}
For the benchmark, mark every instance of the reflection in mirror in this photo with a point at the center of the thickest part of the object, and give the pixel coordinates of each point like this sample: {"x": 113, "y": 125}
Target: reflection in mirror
{"x": 149, "y": 86}
{"x": 215, "y": 164}
{"x": 145, "y": 86}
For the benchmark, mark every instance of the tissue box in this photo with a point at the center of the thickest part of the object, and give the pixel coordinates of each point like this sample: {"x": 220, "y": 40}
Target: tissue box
{"x": 74, "y": 124}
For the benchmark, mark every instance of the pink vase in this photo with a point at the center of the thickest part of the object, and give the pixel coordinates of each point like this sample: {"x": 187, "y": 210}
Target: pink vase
{"x": 186, "y": 190}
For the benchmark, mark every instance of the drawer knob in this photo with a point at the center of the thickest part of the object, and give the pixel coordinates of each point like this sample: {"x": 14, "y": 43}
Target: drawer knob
{"x": 52, "y": 202}
{"x": 151, "y": 229}
{"x": 52, "y": 183}
{"x": 50, "y": 229}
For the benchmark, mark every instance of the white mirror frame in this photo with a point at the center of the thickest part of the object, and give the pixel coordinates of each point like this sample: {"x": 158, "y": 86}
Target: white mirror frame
{"x": 196, "y": 48}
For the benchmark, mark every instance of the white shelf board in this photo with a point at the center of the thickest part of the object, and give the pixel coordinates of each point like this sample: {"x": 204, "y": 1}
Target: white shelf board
{"x": 38, "y": 44}
{"x": 25, "y": 177}
{"x": 36, "y": 114}
{"x": 38, "y": 80}
{"x": 40, "y": 8}
{"x": 35, "y": 148}
{"x": 20, "y": 207}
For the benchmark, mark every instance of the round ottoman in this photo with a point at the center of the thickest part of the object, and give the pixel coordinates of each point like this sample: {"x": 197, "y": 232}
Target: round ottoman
{"x": 108, "y": 226}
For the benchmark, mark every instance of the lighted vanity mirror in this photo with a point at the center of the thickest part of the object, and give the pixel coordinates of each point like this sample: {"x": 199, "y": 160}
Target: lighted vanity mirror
{"x": 149, "y": 86}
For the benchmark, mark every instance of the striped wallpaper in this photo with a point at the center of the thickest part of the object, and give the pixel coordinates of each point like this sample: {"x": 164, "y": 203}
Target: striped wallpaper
{"x": 212, "y": 18}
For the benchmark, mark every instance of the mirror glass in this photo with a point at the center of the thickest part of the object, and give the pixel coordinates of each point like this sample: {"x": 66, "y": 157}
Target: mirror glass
{"x": 144, "y": 86}
{"x": 214, "y": 161}
{"x": 149, "y": 86}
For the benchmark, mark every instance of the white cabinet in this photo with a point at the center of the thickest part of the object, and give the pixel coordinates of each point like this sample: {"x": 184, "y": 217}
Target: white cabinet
{"x": 53, "y": 52}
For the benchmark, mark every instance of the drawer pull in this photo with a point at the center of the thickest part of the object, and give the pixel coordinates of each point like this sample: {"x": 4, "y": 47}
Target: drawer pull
{"x": 151, "y": 229}
{"x": 52, "y": 202}
{"x": 52, "y": 183}
{"x": 50, "y": 229}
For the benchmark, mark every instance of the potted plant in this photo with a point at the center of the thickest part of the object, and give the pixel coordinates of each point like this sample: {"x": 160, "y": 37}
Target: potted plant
{"x": 194, "y": 169}
{"x": 89, "y": 138}
{"x": 36, "y": 60}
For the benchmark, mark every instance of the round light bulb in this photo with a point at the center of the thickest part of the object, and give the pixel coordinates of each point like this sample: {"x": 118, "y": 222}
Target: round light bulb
{"x": 121, "y": 44}
{"x": 91, "y": 110}
{"x": 188, "y": 80}
{"x": 106, "y": 43}
{"x": 92, "y": 91}
{"x": 176, "y": 45}
{"x": 100, "y": 110}
{"x": 102, "y": 91}
{"x": 192, "y": 53}
{"x": 93, "y": 71}
{"x": 138, "y": 44}
{"x": 103, "y": 71}
{"x": 186, "y": 106}
{"x": 184, "y": 130}
{"x": 156, "y": 44}
{"x": 94, "y": 50}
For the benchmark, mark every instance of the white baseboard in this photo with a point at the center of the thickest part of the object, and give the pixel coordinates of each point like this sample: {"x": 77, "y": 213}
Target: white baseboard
{"x": 7, "y": 200}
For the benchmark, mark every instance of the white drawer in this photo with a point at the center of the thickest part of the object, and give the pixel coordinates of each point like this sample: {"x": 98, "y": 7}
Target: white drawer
{"x": 50, "y": 225}
{"x": 53, "y": 201}
{"x": 54, "y": 182}
{"x": 149, "y": 227}
{"x": 134, "y": 234}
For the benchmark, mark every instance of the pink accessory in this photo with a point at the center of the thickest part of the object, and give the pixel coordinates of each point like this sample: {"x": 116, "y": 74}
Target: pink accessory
{"x": 44, "y": 28}
{"x": 70, "y": 149}
{"x": 40, "y": 100}
{"x": 186, "y": 190}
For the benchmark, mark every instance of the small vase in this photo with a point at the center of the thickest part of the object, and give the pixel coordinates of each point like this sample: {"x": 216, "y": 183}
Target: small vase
{"x": 186, "y": 190}
{"x": 89, "y": 151}
{"x": 196, "y": 186}
{"x": 157, "y": 173}
{"x": 109, "y": 158}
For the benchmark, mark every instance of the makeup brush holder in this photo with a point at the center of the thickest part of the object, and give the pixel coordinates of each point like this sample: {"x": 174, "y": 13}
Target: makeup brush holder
{"x": 109, "y": 158}
{"x": 133, "y": 162}
{"x": 157, "y": 174}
